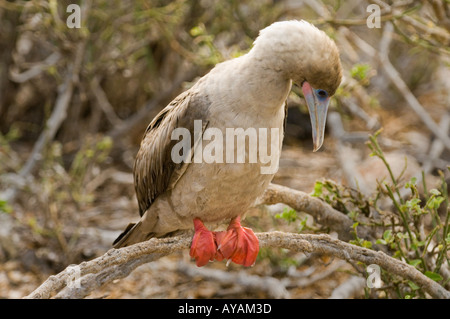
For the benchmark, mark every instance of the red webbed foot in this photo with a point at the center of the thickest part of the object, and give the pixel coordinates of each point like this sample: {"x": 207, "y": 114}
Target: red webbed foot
{"x": 239, "y": 244}
{"x": 203, "y": 247}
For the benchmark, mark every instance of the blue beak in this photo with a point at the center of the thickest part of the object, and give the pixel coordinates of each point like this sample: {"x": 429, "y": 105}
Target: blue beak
{"x": 317, "y": 101}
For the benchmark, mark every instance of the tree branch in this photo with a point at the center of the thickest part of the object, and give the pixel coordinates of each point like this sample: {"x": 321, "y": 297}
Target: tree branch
{"x": 396, "y": 79}
{"x": 58, "y": 116}
{"x": 322, "y": 212}
{"x": 273, "y": 287}
{"x": 150, "y": 107}
{"x": 118, "y": 263}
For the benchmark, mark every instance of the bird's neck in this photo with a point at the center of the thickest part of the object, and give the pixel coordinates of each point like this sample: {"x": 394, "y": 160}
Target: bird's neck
{"x": 266, "y": 88}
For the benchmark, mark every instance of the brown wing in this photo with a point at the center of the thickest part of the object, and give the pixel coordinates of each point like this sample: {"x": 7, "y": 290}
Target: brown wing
{"x": 154, "y": 170}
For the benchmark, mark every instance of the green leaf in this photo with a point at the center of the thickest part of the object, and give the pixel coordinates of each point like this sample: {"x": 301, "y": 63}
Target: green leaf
{"x": 359, "y": 71}
{"x": 421, "y": 243}
{"x": 432, "y": 275}
{"x": 401, "y": 235}
{"x": 413, "y": 285}
{"x": 435, "y": 192}
{"x": 105, "y": 143}
{"x": 367, "y": 244}
{"x": 317, "y": 192}
{"x": 289, "y": 215}
{"x": 5, "y": 207}
{"x": 414, "y": 262}
{"x": 434, "y": 202}
{"x": 302, "y": 224}
{"x": 413, "y": 203}
{"x": 197, "y": 30}
{"x": 438, "y": 201}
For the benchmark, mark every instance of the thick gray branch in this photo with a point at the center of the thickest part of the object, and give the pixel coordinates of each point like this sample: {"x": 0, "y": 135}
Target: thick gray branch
{"x": 118, "y": 263}
{"x": 323, "y": 213}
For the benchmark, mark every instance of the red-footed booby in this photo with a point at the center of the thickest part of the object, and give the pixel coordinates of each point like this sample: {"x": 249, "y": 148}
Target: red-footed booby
{"x": 247, "y": 94}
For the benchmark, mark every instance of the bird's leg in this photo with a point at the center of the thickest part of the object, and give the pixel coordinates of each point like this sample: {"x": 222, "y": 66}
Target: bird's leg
{"x": 239, "y": 244}
{"x": 203, "y": 247}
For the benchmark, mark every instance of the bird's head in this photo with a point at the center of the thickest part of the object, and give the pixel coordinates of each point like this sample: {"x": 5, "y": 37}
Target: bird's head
{"x": 308, "y": 57}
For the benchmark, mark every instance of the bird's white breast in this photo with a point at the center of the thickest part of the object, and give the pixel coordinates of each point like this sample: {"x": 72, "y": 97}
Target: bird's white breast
{"x": 215, "y": 192}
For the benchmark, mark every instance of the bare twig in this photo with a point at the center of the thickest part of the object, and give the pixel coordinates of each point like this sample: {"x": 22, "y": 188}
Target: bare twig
{"x": 321, "y": 211}
{"x": 398, "y": 82}
{"x": 149, "y": 109}
{"x": 437, "y": 147}
{"x": 274, "y": 287}
{"x": 343, "y": 151}
{"x": 118, "y": 263}
{"x": 35, "y": 70}
{"x": 372, "y": 123}
{"x": 103, "y": 103}
{"x": 114, "y": 264}
{"x": 309, "y": 280}
{"x": 430, "y": 161}
{"x": 349, "y": 288}
{"x": 57, "y": 117}
{"x": 440, "y": 34}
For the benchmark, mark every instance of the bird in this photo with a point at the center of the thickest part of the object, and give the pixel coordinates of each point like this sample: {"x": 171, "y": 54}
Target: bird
{"x": 246, "y": 92}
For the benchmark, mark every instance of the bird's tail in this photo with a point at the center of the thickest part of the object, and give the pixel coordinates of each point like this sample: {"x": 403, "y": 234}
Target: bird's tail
{"x": 134, "y": 233}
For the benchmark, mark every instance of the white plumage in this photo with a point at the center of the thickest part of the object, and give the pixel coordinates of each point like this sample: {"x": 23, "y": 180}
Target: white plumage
{"x": 246, "y": 92}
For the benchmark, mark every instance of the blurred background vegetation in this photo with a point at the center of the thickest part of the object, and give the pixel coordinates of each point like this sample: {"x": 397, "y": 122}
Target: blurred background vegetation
{"x": 74, "y": 104}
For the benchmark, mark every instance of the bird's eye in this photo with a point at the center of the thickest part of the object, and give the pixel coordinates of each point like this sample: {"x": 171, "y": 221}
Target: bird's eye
{"x": 322, "y": 93}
